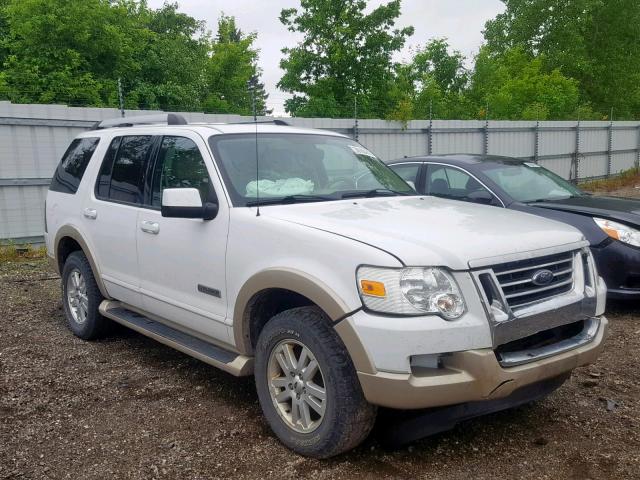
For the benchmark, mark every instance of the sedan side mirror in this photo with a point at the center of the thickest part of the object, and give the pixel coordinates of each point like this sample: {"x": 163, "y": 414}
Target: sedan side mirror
{"x": 186, "y": 203}
{"x": 480, "y": 196}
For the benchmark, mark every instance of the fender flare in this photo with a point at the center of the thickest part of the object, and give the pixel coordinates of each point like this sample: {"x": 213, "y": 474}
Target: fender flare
{"x": 73, "y": 233}
{"x": 308, "y": 286}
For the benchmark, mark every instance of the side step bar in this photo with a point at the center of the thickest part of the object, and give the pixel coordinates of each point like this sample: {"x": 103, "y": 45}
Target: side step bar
{"x": 231, "y": 362}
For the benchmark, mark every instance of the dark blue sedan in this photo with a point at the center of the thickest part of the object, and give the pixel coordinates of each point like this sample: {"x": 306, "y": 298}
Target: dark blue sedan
{"x": 610, "y": 224}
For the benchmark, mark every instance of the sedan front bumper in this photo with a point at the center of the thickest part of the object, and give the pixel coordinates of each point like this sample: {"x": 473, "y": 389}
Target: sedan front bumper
{"x": 619, "y": 266}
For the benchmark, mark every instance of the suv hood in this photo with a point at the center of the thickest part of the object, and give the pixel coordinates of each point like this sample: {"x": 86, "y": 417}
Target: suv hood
{"x": 430, "y": 230}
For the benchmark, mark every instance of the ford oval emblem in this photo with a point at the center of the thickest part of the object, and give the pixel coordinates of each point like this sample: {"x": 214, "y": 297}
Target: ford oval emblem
{"x": 542, "y": 277}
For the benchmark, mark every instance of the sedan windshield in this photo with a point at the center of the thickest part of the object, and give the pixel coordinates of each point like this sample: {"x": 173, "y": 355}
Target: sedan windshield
{"x": 529, "y": 182}
{"x": 294, "y": 168}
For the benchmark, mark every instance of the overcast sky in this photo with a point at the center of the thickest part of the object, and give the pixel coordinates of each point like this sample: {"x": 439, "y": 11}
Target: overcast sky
{"x": 461, "y": 21}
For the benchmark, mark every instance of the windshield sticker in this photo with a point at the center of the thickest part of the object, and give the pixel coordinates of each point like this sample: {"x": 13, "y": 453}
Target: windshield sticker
{"x": 532, "y": 165}
{"x": 358, "y": 150}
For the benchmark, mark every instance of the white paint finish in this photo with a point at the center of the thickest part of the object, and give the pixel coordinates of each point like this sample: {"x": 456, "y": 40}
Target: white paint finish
{"x": 183, "y": 254}
{"x": 265, "y": 243}
{"x": 391, "y": 341}
{"x": 181, "y": 197}
{"x": 430, "y": 231}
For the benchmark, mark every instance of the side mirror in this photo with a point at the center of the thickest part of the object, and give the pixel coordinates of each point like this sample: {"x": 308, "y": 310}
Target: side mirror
{"x": 480, "y": 196}
{"x": 186, "y": 203}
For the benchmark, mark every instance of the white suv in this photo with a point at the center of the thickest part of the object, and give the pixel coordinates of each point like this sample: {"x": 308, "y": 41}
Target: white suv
{"x": 318, "y": 270}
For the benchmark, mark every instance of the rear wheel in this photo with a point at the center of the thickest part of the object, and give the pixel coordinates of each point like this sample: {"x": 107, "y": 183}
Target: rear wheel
{"x": 308, "y": 387}
{"x": 81, "y": 298}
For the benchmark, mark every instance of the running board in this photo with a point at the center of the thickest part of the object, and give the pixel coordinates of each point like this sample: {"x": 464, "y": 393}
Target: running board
{"x": 231, "y": 362}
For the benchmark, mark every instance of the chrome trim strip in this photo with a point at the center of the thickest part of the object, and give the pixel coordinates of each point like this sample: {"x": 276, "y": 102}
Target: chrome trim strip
{"x": 537, "y": 290}
{"x": 588, "y": 333}
{"x": 490, "y": 262}
{"x": 528, "y": 280}
{"x": 535, "y": 267}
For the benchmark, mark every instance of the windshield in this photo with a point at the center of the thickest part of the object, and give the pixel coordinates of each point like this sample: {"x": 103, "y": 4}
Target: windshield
{"x": 299, "y": 168}
{"x": 529, "y": 182}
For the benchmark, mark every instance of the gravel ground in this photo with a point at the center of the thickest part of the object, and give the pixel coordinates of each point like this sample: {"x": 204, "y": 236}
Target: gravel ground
{"x": 127, "y": 407}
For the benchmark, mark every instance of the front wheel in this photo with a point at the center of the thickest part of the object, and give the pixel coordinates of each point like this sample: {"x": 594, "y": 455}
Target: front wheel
{"x": 308, "y": 387}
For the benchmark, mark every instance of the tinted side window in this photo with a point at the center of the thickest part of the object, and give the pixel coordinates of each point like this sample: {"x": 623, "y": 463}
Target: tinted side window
{"x": 122, "y": 182}
{"x": 451, "y": 182}
{"x": 67, "y": 176}
{"x": 104, "y": 177}
{"x": 180, "y": 165}
{"x": 408, "y": 172}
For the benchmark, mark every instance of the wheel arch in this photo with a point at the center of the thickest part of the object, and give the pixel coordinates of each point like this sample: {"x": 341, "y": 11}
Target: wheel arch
{"x": 68, "y": 239}
{"x": 307, "y": 290}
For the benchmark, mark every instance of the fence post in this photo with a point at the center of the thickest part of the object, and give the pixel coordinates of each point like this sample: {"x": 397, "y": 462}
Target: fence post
{"x": 576, "y": 155}
{"x": 120, "y": 98}
{"x": 536, "y": 146}
{"x": 609, "y": 149}
{"x": 430, "y": 137}
{"x": 610, "y": 144}
{"x": 485, "y": 147}
{"x": 638, "y": 151}
{"x": 355, "y": 118}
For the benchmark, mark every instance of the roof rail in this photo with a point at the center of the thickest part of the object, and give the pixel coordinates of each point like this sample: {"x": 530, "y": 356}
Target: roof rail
{"x": 162, "y": 118}
{"x": 275, "y": 121}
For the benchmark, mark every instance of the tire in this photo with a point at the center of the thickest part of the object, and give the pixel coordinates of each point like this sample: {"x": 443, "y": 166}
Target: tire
{"x": 81, "y": 310}
{"x": 346, "y": 419}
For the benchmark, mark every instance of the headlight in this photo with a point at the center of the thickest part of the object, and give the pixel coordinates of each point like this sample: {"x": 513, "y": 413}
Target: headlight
{"x": 619, "y": 231}
{"x": 410, "y": 291}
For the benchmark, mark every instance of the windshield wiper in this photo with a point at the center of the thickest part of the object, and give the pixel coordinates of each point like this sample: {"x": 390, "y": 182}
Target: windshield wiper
{"x": 376, "y": 192}
{"x": 551, "y": 199}
{"x": 298, "y": 198}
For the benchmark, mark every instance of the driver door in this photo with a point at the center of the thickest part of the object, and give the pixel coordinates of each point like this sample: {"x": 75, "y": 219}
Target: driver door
{"x": 182, "y": 260}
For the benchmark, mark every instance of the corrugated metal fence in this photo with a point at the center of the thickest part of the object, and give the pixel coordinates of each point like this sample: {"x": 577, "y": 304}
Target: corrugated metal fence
{"x": 33, "y": 138}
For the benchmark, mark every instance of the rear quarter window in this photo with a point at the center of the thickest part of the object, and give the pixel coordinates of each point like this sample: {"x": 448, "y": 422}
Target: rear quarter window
{"x": 68, "y": 175}
{"x": 121, "y": 175}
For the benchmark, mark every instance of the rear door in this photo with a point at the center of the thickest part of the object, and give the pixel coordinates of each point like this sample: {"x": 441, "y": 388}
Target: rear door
{"x": 182, "y": 260}
{"x": 111, "y": 213}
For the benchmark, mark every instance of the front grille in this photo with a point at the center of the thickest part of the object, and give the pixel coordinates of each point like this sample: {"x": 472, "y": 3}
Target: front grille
{"x": 517, "y": 283}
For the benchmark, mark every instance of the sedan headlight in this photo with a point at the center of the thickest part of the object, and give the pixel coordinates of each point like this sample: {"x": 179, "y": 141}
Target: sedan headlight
{"x": 410, "y": 291}
{"x": 619, "y": 231}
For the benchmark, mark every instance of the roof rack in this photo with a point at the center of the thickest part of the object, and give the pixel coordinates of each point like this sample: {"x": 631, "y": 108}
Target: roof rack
{"x": 162, "y": 118}
{"x": 275, "y": 121}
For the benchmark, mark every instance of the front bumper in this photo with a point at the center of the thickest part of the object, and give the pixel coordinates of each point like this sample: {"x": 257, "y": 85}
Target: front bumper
{"x": 473, "y": 375}
{"x": 619, "y": 266}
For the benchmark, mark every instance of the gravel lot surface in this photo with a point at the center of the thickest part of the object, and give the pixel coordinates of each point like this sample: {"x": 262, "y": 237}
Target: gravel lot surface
{"x": 127, "y": 407}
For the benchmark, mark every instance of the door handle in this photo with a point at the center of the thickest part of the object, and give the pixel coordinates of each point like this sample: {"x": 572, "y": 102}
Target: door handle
{"x": 150, "y": 227}
{"x": 90, "y": 213}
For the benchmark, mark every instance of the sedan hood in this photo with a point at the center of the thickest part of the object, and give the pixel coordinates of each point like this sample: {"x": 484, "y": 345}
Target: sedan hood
{"x": 432, "y": 231}
{"x": 626, "y": 210}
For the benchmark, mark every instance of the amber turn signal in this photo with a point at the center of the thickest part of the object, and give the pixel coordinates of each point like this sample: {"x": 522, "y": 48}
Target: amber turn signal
{"x": 373, "y": 289}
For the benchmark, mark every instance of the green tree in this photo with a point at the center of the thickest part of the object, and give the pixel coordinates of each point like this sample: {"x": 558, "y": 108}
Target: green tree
{"x": 73, "y": 52}
{"x": 433, "y": 83}
{"x": 515, "y": 86}
{"x": 167, "y": 70}
{"x": 597, "y": 42}
{"x": 345, "y": 56}
{"x": 231, "y": 70}
{"x": 4, "y": 31}
{"x": 59, "y": 50}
